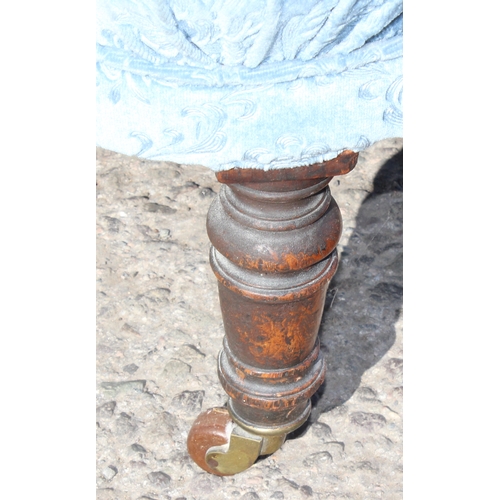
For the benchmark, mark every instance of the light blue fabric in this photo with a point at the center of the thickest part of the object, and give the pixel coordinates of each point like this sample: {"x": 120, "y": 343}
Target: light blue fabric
{"x": 253, "y": 84}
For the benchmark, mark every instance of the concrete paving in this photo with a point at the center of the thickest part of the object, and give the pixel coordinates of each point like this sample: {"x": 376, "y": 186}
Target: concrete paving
{"x": 159, "y": 330}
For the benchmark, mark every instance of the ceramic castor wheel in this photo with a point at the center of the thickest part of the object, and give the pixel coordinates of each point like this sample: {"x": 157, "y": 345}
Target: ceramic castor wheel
{"x": 221, "y": 447}
{"x": 212, "y": 428}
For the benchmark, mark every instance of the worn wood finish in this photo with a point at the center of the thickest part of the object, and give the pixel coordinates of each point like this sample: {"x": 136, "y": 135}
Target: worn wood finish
{"x": 340, "y": 165}
{"x": 274, "y": 235}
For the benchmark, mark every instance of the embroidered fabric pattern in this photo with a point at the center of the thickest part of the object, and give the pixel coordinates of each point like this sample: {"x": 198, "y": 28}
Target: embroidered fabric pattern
{"x": 261, "y": 84}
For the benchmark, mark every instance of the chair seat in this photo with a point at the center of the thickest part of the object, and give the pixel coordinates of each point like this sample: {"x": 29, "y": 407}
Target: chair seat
{"x": 261, "y": 84}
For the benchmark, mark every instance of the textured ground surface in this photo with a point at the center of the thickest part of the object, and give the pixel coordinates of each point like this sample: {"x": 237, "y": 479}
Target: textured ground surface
{"x": 159, "y": 330}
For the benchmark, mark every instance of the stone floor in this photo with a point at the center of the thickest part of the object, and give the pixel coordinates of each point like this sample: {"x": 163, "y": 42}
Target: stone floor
{"x": 159, "y": 330}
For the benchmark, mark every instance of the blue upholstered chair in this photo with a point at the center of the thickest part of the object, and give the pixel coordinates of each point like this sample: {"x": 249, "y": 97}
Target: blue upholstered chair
{"x": 277, "y": 97}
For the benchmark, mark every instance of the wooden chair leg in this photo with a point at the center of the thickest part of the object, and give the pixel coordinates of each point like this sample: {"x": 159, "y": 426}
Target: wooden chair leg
{"x": 274, "y": 236}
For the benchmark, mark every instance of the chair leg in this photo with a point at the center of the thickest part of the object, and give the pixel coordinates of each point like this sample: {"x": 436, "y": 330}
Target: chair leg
{"x": 274, "y": 236}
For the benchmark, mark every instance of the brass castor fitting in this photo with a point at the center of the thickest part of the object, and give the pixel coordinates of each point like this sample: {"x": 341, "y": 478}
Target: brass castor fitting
{"x": 219, "y": 446}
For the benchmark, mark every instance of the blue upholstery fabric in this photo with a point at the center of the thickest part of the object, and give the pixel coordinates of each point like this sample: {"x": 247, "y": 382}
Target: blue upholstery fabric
{"x": 253, "y": 84}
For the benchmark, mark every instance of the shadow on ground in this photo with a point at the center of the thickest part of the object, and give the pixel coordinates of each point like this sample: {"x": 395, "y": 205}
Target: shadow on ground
{"x": 364, "y": 299}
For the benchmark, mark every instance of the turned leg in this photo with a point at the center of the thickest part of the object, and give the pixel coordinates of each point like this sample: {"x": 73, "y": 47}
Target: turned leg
{"x": 274, "y": 236}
